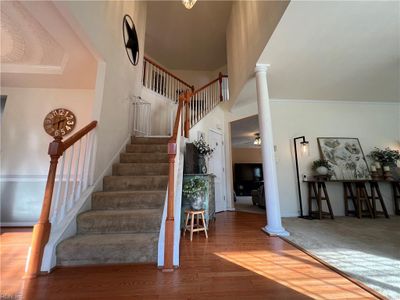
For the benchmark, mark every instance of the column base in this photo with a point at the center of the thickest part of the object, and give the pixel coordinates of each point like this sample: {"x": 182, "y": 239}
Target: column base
{"x": 275, "y": 231}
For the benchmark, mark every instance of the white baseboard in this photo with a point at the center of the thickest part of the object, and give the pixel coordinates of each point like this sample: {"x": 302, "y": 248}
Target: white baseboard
{"x": 17, "y": 224}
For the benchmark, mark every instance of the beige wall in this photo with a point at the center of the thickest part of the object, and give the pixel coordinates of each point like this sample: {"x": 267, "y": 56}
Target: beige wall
{"x": 246, "y": 155}
{"x": 24, "y": 143}
{"x": 250, "y": 26}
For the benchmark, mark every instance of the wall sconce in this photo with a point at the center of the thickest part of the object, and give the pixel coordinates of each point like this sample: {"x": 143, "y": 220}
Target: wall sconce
{"x": 257, "y": 140}
{"x": 305, "y": 151}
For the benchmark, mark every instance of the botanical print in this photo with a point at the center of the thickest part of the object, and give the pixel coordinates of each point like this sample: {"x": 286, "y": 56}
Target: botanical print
{"x": 345, "y": 157}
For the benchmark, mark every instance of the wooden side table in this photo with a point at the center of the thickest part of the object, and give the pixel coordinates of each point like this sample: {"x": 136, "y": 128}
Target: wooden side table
{"x": 362, "y": 200}
{"x": 376, "y": 195}
{"x": 349, "y": 196}
{"x": 317, "y": 191}
{"x": 396, "y": 196}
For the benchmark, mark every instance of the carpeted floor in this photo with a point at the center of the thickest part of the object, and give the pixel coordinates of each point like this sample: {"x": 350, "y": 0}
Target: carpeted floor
{"x": 367, "y": 249}
{"x": 244, "y": 204}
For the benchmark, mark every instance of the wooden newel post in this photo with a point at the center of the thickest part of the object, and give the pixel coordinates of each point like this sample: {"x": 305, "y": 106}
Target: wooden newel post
{"x": 41, "y": 231}
{"x": 221, "y": 98}
{"x": 169, "y": 224}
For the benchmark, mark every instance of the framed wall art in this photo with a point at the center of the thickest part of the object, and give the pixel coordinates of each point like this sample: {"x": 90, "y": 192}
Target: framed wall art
{"x": 345, "y": 156}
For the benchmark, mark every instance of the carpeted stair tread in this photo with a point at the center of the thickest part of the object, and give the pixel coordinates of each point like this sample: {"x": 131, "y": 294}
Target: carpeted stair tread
{"x": 108, "y": 249}
{"x": 147, "y": 148}
{"x": 135, "y": 183}
{"x": 150, "y": 140}
{"x": 127, "y": 169}
{"x": 119, "y": 221}
{"x": 128, "y": 200}
{"x": 144, "y": 158}
{"x": 124, "y": 223}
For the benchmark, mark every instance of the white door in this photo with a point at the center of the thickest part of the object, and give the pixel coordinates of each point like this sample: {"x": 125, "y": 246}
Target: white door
{"x": 217, "y": 167}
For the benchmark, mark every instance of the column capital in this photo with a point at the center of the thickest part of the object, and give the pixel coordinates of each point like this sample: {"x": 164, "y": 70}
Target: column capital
{"x": 261, "y": 68}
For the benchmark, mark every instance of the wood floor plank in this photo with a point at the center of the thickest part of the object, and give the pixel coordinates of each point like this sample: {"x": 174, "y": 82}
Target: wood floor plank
{"x": 238, "y": 261}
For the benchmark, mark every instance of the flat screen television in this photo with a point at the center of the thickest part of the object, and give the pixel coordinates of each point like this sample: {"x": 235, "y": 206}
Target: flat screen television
{"x": 247, "y": 177}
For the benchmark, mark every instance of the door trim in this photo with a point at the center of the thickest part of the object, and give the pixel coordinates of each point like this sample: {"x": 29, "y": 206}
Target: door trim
{"x": 223, "y": 179}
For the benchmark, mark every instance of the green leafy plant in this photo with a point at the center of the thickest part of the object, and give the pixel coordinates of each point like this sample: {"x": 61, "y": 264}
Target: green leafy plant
{"x": 194, "y": 187}
{"x": 202, "y": 147}
{"x": 385, "y": 156}
{"x": 321, "y": 163}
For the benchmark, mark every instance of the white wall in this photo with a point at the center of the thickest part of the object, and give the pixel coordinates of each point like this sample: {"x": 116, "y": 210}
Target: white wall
{"x": 250, "y": 26}
{"x": 198, "y": 78}
{"x": 24, "y": 145}
{"x": 100, "y": 22}
{"x": 217, "y": 120}
{"x": 375, "y": 124}
{"x": 163, "y": 111}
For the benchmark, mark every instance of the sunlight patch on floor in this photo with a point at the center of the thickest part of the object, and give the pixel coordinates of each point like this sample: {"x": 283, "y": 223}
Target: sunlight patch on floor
{"x": 296, "y": 272}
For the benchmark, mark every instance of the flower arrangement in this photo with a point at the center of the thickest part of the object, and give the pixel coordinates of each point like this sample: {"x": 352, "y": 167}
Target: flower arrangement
{"x": 321, "y": 163}
{"x": 194, "y": 187}
{"x": 202, "y": 147}
{"x": 385, "y": 156}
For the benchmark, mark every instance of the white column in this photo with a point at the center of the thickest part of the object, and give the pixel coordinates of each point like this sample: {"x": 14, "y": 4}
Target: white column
{"x": 271, "y": 192}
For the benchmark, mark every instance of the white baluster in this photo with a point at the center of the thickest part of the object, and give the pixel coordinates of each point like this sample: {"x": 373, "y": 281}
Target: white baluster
{"x": 66, "y": 191}
{"x": 87, "y": 160}
{"x": 85, "y": 157}
{"x": 56, "y": 199}
{"x": 75, "y": 176}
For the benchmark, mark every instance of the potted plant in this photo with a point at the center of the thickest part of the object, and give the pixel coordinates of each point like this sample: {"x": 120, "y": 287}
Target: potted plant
{"x": 194, "y": 189}
{"x": 204, "y": 150}
{"x": 321, "y": 166}
{"x": 386, "y": 157}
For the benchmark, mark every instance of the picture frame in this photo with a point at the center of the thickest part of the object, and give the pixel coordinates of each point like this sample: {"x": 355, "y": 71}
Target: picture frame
{"x": 345, "y": 157}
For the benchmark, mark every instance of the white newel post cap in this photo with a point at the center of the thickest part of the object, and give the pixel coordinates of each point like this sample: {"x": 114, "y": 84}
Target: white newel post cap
{"x": 261, "y": 68}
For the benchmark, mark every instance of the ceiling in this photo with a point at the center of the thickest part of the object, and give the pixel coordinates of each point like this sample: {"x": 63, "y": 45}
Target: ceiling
{"x": 243, "y": 132}
{"x": 334, "y": 50}
{"x": 40, "y": 50}
{"x": 185, "y": 39}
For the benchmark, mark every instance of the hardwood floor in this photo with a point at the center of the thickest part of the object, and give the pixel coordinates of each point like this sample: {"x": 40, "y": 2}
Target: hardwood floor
{"x": 238, "y": 261}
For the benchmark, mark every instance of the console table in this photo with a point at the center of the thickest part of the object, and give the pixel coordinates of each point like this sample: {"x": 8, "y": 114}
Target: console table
{"x": 356, "y": 192}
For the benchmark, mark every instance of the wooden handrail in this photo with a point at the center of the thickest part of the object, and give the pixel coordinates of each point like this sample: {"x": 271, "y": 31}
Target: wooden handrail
{"x": 41, "y": 231}
{"x": 78, "y": 135}
{"x": 172, "y": 147}
{"x": 168, "y": 72}
{"x": 219, "y": 78}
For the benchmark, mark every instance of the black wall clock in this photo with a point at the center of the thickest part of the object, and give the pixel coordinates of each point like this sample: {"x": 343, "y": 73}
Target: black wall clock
{"x": 130, "y": 40}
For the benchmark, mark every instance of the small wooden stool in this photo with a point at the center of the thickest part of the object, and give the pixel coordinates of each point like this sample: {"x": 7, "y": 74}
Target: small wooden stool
{"x": 192, "y": 214}
{"x": 317, "y": 191}
{"x": 376, "y": 195}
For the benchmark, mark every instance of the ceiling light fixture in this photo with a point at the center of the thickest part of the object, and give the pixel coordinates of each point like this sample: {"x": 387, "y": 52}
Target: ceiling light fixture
{"x": 189, "y": 3}
{"x": 257, "y": 140}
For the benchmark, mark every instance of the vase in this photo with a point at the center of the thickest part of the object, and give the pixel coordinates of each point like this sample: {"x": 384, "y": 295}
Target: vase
{"x": 197, "y": 202}
{"x": 202, "y": 164}
{"x": 322, "y": 170}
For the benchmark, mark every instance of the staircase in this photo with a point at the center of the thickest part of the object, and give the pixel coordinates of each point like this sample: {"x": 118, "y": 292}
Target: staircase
{"x": 124, "y": 222}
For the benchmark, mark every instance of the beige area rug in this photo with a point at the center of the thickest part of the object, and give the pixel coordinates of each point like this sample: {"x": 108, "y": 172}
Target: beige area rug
{"x": 366, "y": 249}
{"x": 244, "y": 204}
